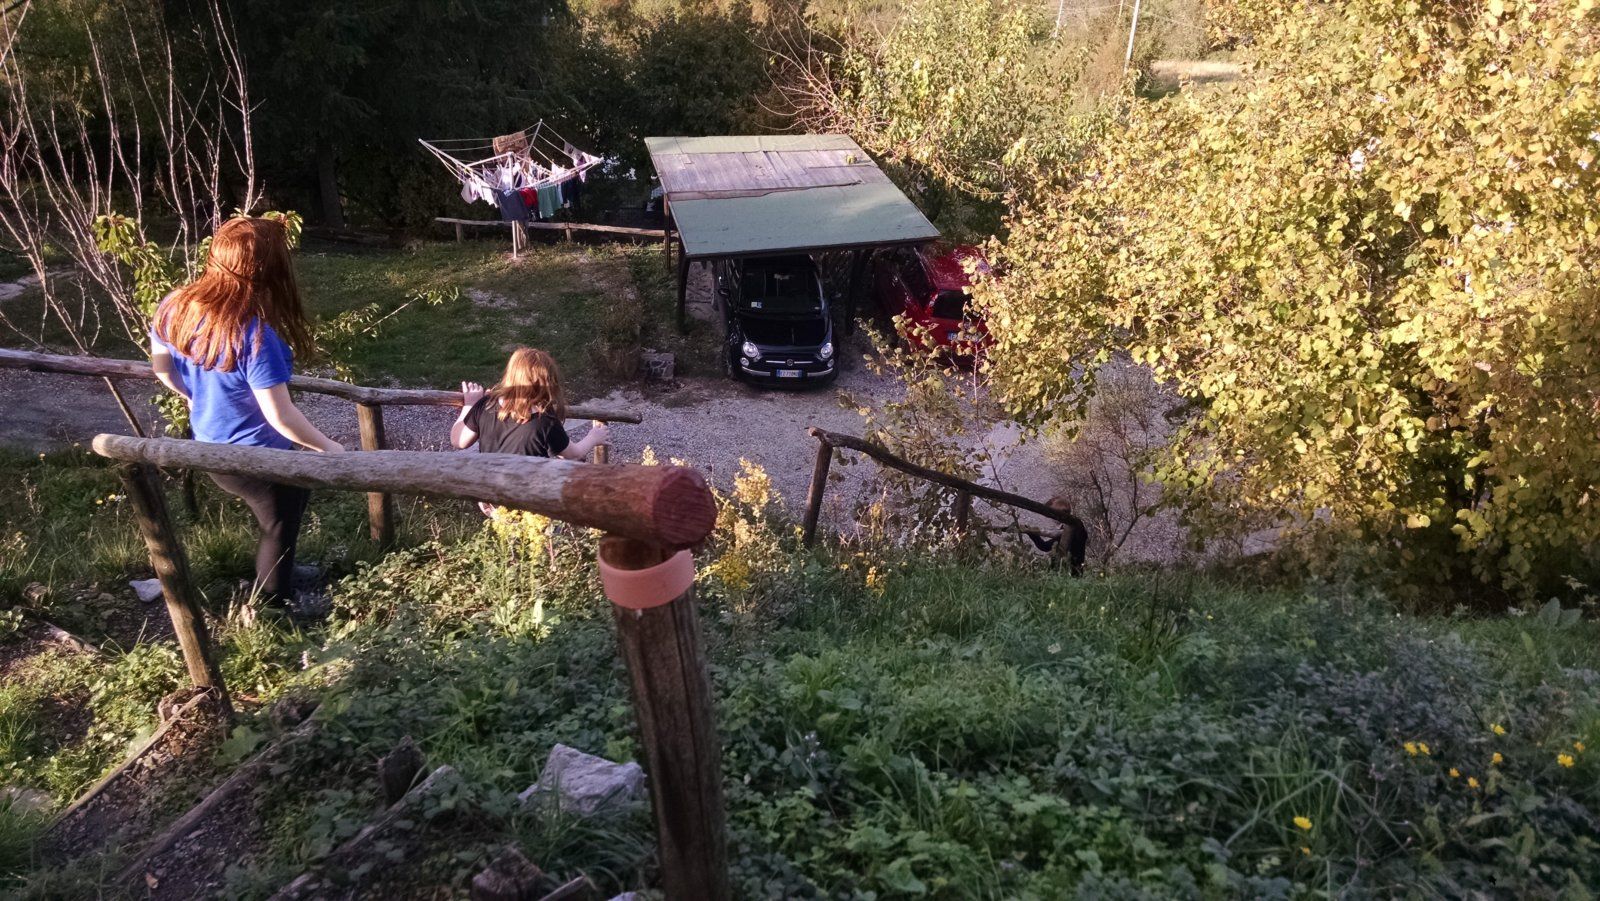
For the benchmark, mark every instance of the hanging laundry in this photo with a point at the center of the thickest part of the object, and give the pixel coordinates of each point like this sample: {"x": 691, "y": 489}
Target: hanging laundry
{"x": 549, "y": 200}
{"x": 536, "y": 159}
{"x": 512, "y": 209}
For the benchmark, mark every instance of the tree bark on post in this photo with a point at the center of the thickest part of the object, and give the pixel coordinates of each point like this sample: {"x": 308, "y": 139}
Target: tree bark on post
{"x": 660, "y": 641}
{"x": 380, "y": 506}
{"x": 172, "y": 568}
{"x": 602, "y": 454}
{"x": 328, "y": 184}
{"x": 819, "y": 484}
{"x": 963, "y": 510}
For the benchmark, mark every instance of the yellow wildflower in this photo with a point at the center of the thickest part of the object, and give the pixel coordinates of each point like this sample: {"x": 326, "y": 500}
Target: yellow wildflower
{"x": 1304, "y": 850}
{"x": 1423, "y": 747}
{"x": 1578, "y": 746}
{"x": 1455, "y": 773}
{"x": 1411, "y": 748}
{"x": 1565, "y": 760}
{"x": 1497, "y": 729}
{"x": 1496, "y": 760}
{"x": 1472, "y": 782}
{"x": 1304, "y": 823}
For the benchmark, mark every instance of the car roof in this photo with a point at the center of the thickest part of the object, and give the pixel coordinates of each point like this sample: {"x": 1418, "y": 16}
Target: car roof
{"x": 946, "y": 265}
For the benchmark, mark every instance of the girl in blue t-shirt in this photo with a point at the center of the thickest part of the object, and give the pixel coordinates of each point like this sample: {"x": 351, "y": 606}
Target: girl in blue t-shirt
{"x": 226, "y": 343}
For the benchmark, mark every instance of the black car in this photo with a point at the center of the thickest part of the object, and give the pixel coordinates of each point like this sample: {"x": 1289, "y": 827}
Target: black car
{"x": 777, "y": 324}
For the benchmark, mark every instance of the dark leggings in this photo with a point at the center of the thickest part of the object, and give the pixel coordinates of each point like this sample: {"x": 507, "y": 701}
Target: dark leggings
{"x": 279, "y": 509}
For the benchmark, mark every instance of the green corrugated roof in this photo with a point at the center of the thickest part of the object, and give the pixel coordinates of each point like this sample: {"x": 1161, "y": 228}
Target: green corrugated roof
{"x": 752, "y": 194}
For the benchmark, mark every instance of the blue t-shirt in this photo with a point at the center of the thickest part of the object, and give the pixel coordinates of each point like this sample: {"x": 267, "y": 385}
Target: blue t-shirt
{"x": 224, "y": 408}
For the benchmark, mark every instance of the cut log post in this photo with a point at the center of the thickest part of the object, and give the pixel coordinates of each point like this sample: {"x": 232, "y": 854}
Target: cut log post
{"x": 380, "y": 505}
{"x": 668, "y": 506}
{"x": 172, "y": 568}
{"x": 511, "y": 877}
{"x": 601, "y": 454}
{"x": 963, "y": 510}
{"x": 398, "y": 769}
{"x": 819, "y": 485}
{"x": 661, "y": 644}
{"x": 460, "y": 233}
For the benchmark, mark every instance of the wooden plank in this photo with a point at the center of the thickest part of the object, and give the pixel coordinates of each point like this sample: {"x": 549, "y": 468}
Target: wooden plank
{"x": 888, "y": 459}
{"x": 361, "y": 394}
{"x": 242, "y": 777}
{"x": 144, "y": 748}
{"x": 310, "y": 885}
{"x": 668, "y": 506}
{"x": 671, "y": 689}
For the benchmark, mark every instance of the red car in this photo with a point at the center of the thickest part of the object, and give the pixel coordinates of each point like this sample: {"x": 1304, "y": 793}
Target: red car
{"x": 927, "y": 288}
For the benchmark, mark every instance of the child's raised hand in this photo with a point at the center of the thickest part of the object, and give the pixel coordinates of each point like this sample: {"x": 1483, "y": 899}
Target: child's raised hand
{"x": 470, "y": 393}
{"x": 600, "y": 432}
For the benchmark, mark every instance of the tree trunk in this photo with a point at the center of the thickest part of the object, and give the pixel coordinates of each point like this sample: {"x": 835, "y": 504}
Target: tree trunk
{"x": 328, "y": 185}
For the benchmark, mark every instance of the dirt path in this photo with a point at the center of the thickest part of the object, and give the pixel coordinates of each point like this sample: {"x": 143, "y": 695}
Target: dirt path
{"x": 707, "y": 421}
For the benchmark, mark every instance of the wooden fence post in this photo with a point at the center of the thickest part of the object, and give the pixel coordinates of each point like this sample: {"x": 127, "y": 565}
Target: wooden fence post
{"x": 380, "y": 506}
{"x": 672, "y": 702}
{"x": 460, "y": 236}
{"x": 963, "y": 510}
{"x": 172, "y": 568}
{"x": 819, "y": 484}
{"x": 601, "y": 454}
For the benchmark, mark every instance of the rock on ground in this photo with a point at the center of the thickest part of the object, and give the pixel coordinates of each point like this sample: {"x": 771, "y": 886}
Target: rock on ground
{"x": 585, "y": 784}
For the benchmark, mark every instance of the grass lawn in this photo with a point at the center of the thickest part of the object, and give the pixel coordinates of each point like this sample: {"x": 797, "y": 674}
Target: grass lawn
{"x": 572, "y": 300}
{"x": 896, "y": 723}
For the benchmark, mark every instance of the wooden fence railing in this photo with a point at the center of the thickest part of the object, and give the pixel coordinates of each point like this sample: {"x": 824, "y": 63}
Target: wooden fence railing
{"x": 965, "y": 491}
{"x": 519, "y": 237}
{"x": 651, "y": 515}
{"x": 369, "y": 409}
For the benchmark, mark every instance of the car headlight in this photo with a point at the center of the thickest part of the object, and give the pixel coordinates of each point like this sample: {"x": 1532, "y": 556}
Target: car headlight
{"x": 750, "y": 350}
{"x": 826, "y": 351}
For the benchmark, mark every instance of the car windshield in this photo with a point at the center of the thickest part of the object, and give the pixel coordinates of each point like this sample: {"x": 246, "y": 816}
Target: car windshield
{"x": 949, "y": 305}
{"x": 780, "y": 290}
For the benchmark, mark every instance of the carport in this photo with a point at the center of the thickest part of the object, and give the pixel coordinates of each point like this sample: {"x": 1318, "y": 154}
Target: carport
{"x": 764, "y": 195}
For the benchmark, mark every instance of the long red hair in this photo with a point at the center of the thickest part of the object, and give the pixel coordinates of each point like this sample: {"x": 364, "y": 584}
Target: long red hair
{"x": 248, "y": 276}
{"x": 531, "y": 384}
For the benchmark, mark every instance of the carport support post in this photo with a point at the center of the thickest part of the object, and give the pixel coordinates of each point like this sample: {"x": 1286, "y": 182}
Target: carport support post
{"x": 683, "y": 291}
{"x": 683, "y": 757}
{"x": 858, "y": 259}
{"x": 819, "y": 484}
{"x": 172, "y": 569}
{"x": 666, "y": 230}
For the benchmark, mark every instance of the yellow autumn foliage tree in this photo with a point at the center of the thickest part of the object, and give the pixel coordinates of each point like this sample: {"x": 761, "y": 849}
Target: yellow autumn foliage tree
{"x": 1371, "y": 269}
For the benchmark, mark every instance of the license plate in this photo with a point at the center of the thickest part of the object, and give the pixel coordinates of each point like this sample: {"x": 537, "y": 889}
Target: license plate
{"x": 788, "y": 373}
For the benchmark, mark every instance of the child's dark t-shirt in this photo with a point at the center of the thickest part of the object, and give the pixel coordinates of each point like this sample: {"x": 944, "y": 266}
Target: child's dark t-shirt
{"x": 541, "y": 436}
